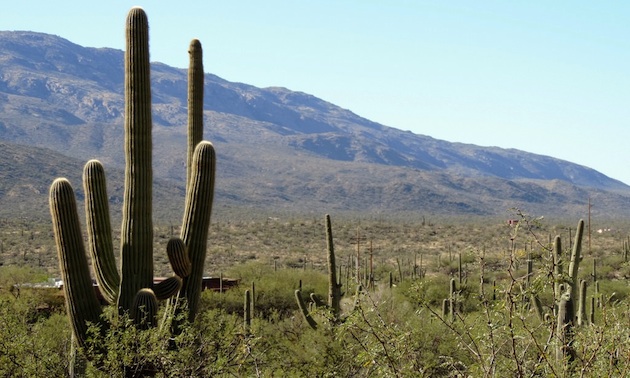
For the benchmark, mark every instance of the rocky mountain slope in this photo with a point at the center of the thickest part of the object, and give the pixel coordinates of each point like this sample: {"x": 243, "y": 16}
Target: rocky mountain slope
{"x": 277, "y": 149}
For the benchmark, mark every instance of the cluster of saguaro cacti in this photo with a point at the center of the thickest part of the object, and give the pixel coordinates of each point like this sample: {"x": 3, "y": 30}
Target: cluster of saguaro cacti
{"x": 133, "y": 290}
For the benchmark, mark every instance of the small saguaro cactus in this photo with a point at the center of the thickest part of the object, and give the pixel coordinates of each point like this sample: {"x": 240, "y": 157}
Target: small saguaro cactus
{"x": 564, "y": 328}
{"x": 557, "y": 266}
{"x": 247, "y": 311}
{"x": 133, "y": 290}
{"x": 581, "y": 312}
{"x": 452, "y": 298}
{"x": 568, "y": 301}
{"x": 574, "y": 265}
{"x": 304, "y": 310}
{"x": 334, "y": 287}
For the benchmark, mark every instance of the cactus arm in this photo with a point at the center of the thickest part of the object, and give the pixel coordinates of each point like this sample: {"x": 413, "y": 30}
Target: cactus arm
{"x": 307, "y": 316}
{"x": 144, "y": 309}
{"x": 81, "y": 302}
{"x": 195, "y": 102}
{"x": 137, "y": 229}
{"x": 196, "y": 221}
{"x": 99, "y": 230}
{"x": 167, "y": 288}
{"x": 178, "y": 257}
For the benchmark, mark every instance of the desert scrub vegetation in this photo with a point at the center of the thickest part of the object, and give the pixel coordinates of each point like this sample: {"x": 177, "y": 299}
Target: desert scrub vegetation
{"x": 402, "y": 330}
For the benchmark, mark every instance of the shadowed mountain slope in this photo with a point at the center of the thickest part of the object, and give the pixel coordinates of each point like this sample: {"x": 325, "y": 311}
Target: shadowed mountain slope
{"x": 277, "y": 149}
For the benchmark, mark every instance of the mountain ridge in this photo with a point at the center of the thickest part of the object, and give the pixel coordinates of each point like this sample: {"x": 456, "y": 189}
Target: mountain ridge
{"x": 68, "y": 98}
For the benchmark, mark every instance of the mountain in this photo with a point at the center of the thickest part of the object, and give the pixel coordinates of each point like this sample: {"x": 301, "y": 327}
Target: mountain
{"x": 277, "y": 149}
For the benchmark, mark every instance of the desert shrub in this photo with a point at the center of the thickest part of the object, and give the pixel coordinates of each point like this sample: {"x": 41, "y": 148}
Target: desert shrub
{"x": 31, "y": 345}
{"x": 614, "y": 290}
{"x": 274, "y": 289}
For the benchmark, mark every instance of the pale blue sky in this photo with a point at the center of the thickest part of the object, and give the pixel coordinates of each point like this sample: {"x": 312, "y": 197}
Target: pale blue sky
{"x": 550, "y": 77}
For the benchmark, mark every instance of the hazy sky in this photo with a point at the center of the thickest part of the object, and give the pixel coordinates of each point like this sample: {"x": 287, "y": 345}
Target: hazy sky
{"x": 549, "y": 77}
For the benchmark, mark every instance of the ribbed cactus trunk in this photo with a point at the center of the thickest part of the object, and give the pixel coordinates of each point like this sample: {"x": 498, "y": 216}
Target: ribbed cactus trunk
{"x": 195, "y": 102}
{"x": 99, "y": 230}
{"x": 452, "y": 298}
{"x": 73, "y": 264}
{"x": 581, "y": 312}
{"x": 334, "y": 288}
{"x": 196, "y": 222}
{"x": 247, "y": 311}
{"x": 557, "y": 267}
{"x": 136, "y": 237}
{"x": 574, "y": 265}
{"x": 564, "y": 329}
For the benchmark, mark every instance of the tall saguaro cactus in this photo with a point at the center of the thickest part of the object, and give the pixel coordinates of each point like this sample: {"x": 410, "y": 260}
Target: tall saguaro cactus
{"x": 133, "y": 289}
{"x": 136, "y": 234}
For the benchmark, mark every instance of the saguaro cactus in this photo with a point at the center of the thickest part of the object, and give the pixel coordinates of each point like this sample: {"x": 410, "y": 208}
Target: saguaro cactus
{"x": 304, "y": 310}
{"x": 564, "y": 329}
{"x": 574, "y": 265}
{"x": 452, "y": 298}
{"x": 569, "y": 299}
{"x": 334, "y": 287}
{"x": 136, "y": 234}
{"x": 247, "y": 311}
{"x": 581, "y": 312}
{"x": 557, "y": 270}
{"x": 133, "y": 289}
